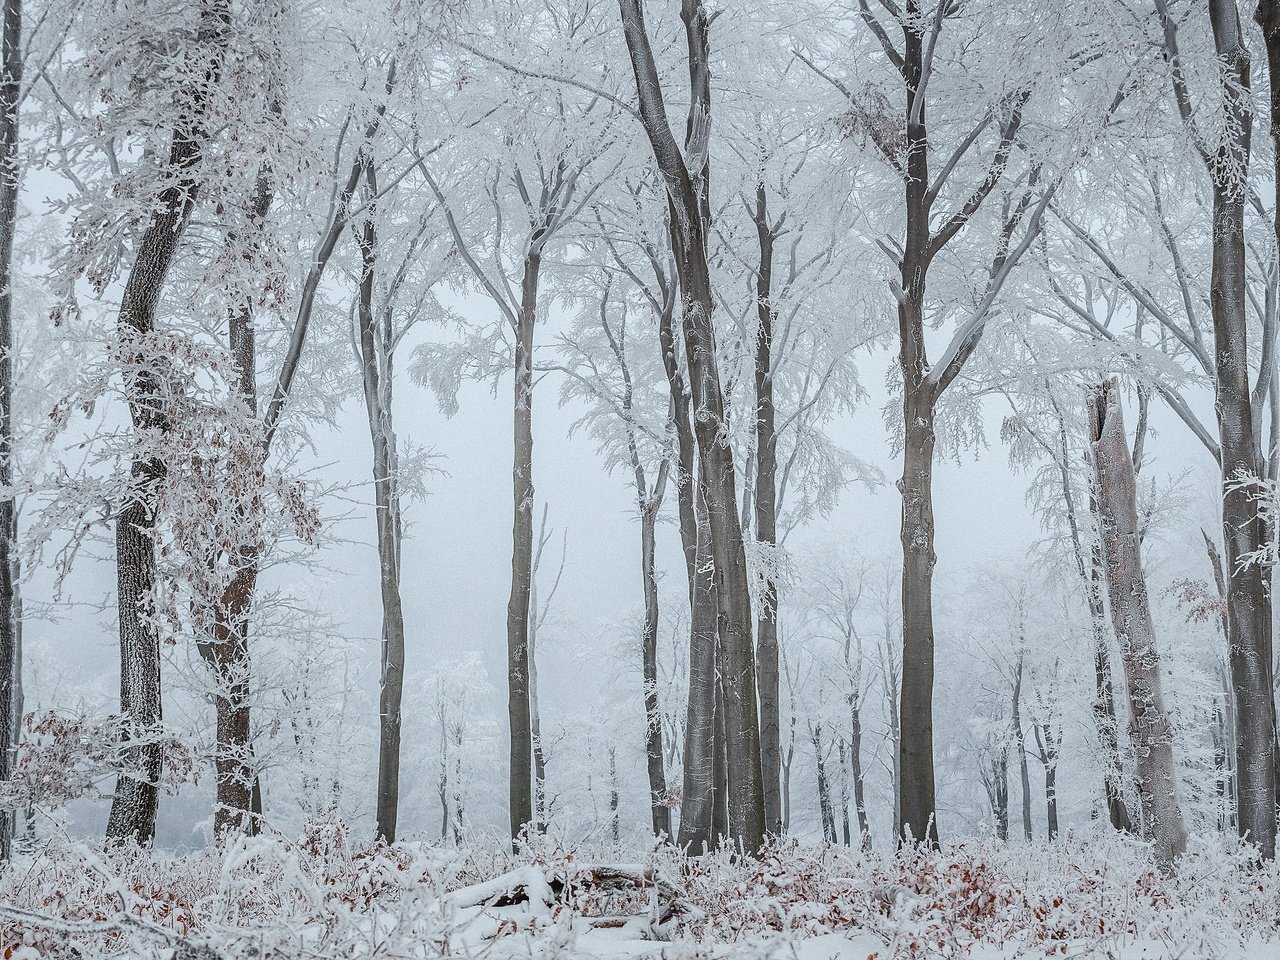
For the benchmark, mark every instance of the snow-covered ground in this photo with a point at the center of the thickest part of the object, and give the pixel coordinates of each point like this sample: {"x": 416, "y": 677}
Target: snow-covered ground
{"x": 322, "y": 896}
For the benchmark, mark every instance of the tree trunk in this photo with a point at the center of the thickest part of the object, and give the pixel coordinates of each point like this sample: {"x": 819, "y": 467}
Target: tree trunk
{"x": 689, "y": 221}
{"x": 518, "y": 710}
{"x": 698, "y": 803}
{"x": 615, "y": 824}
{"x": 1089, "y": 568}
{"x": 1248, "y": 604}
{"x": 766, "y": 522}
{"x": 227, "y": 652}
{"x": 918, "y": 817}
{"x": 133, "y": 807}
{"x": 10, "y": 91}
{"x": 535, "y": 714}
{"x": 1049, "y": 747}
{"x": 385, "y": 510}
{"x": 659, "y": 811}
{"x": 855, "y": 762}
{"x": 1021, "y": 741}
{"x": 891, "y": 689}
{"x": 1130, "y": 613}
{"x": 824, "y": 787}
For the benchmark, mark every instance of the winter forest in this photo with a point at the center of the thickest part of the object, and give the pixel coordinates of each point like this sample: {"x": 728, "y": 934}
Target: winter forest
{"x": 639, "y": 478}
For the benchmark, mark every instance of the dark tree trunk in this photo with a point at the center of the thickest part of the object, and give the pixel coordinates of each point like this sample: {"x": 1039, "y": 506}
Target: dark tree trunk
{"x": 824, "y": 787}
{"x": 660, "y": 812}
{"x": 386, "y": 515}
{"x": 10, "y": 90}
{"x": 766, "y": 523}
{"x": 133, "y": 807}
{"x": 518, "y": 709}
{"x": 1020, "y": 740}
{"x": 918, "y": 818}
{"x": 855, "y": 763}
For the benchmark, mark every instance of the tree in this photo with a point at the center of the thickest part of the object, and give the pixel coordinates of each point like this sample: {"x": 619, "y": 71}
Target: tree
{"x": 10, "y": 664}
{"x": 1013, "y": 188}
{"x": 1226, "y": 159}
{"x": 133, "y": 809}
{"x": 1131, "y": 615}
{"x": 685, "y": 176}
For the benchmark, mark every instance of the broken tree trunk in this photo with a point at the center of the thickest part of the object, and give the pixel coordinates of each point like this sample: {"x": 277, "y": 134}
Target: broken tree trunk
{"x": 1131, "y": 617}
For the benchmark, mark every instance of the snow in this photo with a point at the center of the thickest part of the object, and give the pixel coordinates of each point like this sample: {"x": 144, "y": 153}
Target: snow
{"x": 321, "y": 896}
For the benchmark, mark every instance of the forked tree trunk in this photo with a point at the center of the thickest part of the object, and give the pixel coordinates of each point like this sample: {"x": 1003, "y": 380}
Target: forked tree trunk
{"x": 134, "y": 804}
{"x": 10, "y": 90}
{"x": 1131, "y": 616}
{"x": 689, "y": 222}
{"x": 518, "y": 709}
{"x": 659, "y": 811}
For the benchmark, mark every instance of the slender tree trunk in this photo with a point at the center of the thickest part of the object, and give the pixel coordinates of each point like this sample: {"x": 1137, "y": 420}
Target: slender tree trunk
{"x": 10, "y": 91}
{"x": 824, "y": 787}
{"x": 1020, "y": 740}
{"x": 1130, "y": 613}
{"x": 615, "y": 823}
{"x": 19, "y": 688}
{"x": 385, "y": 509}
{"x": 659, "y": 811}
{"x": 698, "y": 803}
{"x": 518, "y": 709}
{"x": 891, "y": 688}
{"x": 535, "y": 714}
{"x": 846, "y": 831}
{"x": 855, "y": 762}
{"x": 134, "y": 805}
{"x": 1000, "y": 801}
{"x": 766, "y": 523}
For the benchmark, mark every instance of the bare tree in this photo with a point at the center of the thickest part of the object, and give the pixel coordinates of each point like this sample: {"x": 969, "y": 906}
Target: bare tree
{"x": 685, "y": 175}
{"x": 1226, "y": 158}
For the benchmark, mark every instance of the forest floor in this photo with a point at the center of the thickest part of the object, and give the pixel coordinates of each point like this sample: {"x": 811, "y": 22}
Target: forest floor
{"x": 323, "y": 896}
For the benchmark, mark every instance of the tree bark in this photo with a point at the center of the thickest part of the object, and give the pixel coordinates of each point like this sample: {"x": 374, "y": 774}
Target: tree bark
{"x": 1049, "y": 747}
{"x": 1020, "y": 740}
{"x": 766, "y": 522}
{"x": 824, "y": 786}
{"x": 1226, "y": 159}
{"x": 689, "y": 222}
{"x": 134, "y": 805}
{"x": 1131, "y": 616}
{"x": 518, "y": 710}
{"x": 1257, "y": 650}
{"x": 227, "y": 653}
{"x": 386, "y": 510}
{"x": 10, "y": 177}
{"x": 659, "y": 811}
